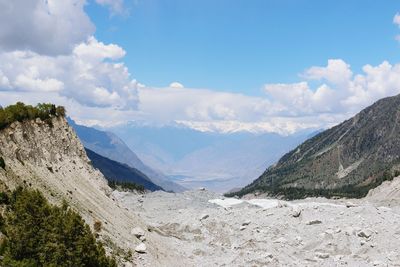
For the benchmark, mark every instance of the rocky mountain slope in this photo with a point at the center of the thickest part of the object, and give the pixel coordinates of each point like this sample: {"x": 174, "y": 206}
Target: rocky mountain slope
{"x": 346, "y": 160}
{"x": 111, "y": 146}
{"x": 50, "y": 157}
{"x": 115, "y": 171}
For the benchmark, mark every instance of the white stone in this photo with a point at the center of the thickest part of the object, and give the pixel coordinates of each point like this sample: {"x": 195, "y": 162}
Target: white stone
{"x": 296, "y": 211}
{"x": 141, "y": 248}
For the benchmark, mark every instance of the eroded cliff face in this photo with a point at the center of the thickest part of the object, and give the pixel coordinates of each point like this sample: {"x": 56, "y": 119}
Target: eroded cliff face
{"x": 51, "y": 158}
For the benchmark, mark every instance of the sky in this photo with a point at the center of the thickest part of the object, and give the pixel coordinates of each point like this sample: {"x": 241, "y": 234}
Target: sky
{"x": 211, "y": 65}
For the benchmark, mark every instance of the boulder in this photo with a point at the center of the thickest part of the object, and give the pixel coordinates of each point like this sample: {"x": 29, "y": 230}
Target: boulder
{"x": 366, "y": 233}
{"x": 138, "y": 232}
{"x": 141, "y": 248}
{"x": 296, "y": 211}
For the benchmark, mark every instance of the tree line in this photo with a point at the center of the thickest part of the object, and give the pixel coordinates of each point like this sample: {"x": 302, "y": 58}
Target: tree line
{"x": 21, "y": 112}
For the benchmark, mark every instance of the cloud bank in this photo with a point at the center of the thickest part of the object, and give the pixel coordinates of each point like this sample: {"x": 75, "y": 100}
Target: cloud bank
{"x": 73, "y": 68}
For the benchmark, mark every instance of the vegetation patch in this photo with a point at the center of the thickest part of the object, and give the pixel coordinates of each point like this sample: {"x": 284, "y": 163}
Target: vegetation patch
{"x": 21, "y": 112}
{"x": 126, "y": 186}
{"x": 347, "y": 191}
{"x": 39, "y": 234}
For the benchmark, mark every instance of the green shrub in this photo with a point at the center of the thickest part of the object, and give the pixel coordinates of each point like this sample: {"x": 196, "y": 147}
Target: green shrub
{"x": 126, "y": 186}
{"x": 22, "y": 112}
{"x": 40, "y": 234}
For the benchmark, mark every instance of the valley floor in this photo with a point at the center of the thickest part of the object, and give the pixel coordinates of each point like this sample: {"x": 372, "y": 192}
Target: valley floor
{"x": 205, "y": 229}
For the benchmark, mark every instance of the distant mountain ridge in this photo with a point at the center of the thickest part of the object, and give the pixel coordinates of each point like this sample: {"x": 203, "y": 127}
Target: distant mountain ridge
{"x": 115, "y": 171}
{"x": 346, "y": 160}
{"x": 109, "y": 145}
{"x": 218, "y": 162}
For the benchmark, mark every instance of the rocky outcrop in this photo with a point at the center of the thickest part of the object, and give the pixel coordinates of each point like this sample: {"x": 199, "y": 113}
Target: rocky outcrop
{"x": 50, "y": 157}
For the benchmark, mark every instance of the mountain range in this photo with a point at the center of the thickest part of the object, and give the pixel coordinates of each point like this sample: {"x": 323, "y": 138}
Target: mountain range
{"x": 109, "y": 145}
{"x": 217, "y": 161}
{"x": 346, "y": 160}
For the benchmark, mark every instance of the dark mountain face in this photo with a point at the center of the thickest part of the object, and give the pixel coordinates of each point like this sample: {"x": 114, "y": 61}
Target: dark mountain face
{"x": 112, "y": 147}
{"x": 346, "y": 160}
{"x": 115, "y": 171}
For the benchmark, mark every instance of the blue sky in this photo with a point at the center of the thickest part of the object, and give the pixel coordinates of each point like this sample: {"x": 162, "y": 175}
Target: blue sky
{"x": 240, "y": 45}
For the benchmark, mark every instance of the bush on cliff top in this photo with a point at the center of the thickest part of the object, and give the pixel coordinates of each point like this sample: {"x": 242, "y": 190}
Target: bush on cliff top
{"x": 21, "y": 112}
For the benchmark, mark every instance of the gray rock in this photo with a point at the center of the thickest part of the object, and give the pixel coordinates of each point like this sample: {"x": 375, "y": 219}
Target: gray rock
{"x": 296, "y": 211}
{"x": 246, "y": 223}
{"x": 138, "y": 232}
{"x": 322, "y": 255}
{"x": 350, "y": 204}
{"x": 141, "y": 248}
{"x": 204, "y": 216}
{"x": 312, "y": 222}
{"x": 367, "y": 233}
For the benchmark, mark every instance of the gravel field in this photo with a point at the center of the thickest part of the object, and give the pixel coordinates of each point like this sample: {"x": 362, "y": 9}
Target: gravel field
{"x": 206, "y": 229}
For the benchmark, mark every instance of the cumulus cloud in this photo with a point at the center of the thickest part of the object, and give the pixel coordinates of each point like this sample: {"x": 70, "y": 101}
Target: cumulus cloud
{"x": 341, "y": 92}
{"x": 89, "y": 74}
{"x": 337, "y": 72}
{"x": 49, "y": 27}
{"x": 45, "y": 56}
{"x": 176, "y": 85}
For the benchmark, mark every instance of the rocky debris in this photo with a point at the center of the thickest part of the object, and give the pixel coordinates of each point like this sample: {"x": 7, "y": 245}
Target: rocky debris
{"x": 138, "y": 232}
{"x": 245, "y": 223}
{"x": 243, "y": 232}
{"x": 204, "y": 216}
{"x": 141, "y": 248}
{"x": 296, "y": 211}
{"x": 367, "y": 233}
{"x": 312, "y": 222}
{"x": 322, "y": 255}
{"x": 350, "y": 205}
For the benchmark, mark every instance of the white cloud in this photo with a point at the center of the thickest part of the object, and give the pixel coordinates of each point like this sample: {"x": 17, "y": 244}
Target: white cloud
{"x": 346, "y": 93}
{"x": 47, "y": 27}
{"x": 4, "y": 82}
{"x": 93, "y": 50}
{"x": 176, "y": 85}
{"x": 337, "y": 71}
{"x": 115, "y": 6}
{"x": 396, "y": 19}
{"x": 86, "y": 75}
